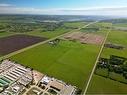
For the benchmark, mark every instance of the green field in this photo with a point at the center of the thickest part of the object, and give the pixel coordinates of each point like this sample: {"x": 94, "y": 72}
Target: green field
{"x": 69, "y": 61}
{"x": 108, "y": 51}
{"x": 101, "y": 85}
{"x": 48, "y": 34}
{"x": 118, "y": 37}
{"x": 104, "y": 24}
{"x": 58, "y": 31}
{"x": 120, "y": 25}
{"x": 4, "y": 34}
{"x": 75, "y": 24}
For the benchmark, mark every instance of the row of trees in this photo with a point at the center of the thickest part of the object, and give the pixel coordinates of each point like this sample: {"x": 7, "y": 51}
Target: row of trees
{"x": 28, "y": 27}
{"x": 51, "y": 26}
{"x": 114, "y": 64}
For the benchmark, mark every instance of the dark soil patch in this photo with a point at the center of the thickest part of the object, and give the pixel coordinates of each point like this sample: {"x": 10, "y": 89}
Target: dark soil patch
{"x": 17, "y": 42}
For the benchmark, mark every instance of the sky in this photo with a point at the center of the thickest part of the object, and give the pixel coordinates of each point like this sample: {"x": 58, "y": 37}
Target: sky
{"x": 64, "y": 7}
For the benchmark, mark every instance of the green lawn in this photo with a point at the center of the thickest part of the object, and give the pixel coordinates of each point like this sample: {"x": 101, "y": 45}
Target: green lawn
{"x": 69, "y": 61}
{"x": 101, "y": 85}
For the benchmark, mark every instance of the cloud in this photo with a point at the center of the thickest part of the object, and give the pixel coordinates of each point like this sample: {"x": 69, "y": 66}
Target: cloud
{"x": 113, "y": 11}
{"x": 5, "y": 5}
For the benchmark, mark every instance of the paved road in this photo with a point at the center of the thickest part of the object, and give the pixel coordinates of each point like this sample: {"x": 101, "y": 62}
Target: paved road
{"x": 32, "y": 46}
{"x": 91, "y": 75}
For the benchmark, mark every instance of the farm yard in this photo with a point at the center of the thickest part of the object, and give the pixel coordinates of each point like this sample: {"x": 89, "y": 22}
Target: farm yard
{"x": 15, "y": 42}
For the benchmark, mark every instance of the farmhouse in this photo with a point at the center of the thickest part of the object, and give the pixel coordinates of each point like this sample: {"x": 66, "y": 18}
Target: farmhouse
{"x": 54, "y": 42}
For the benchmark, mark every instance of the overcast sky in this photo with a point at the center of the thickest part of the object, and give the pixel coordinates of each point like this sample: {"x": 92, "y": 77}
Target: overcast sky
{"x": 64, "y": 7}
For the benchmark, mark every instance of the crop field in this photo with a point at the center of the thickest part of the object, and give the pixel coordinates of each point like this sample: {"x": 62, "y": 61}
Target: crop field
{"x": 15, "y": 42}
{"x": 86, "y": 38}
{"x": 102, "y": 85}
{"x": 48, "y": 34}
{"x": 75, "y": 24}
{"x": 120, "y": 25}
{"x": 99, "y": 28}
{"x": 5, "y": 34}
{"x": 58, "y": 31}
{"x": 118, "y": 37}
{"x": 58, "y": 60}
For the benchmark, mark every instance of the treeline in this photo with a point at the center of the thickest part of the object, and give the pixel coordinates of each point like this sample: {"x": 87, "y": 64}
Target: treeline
{"x": 28, "y": 27}
{"x": 46, "y": 17}
{"x": 51, "y": 26}
{"x": 115, "y": 21}
{"x": 115, "y": 64}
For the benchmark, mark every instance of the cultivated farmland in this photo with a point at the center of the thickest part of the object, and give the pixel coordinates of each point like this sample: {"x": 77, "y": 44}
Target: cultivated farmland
{"x": 112, "y": 82}
{"x": 5, "y": 34}
{"x": 58, "y": 60}
{"x": 53, "y": 59}
{"x": 85, "y": 38}
{"x": 15, "y": 42}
